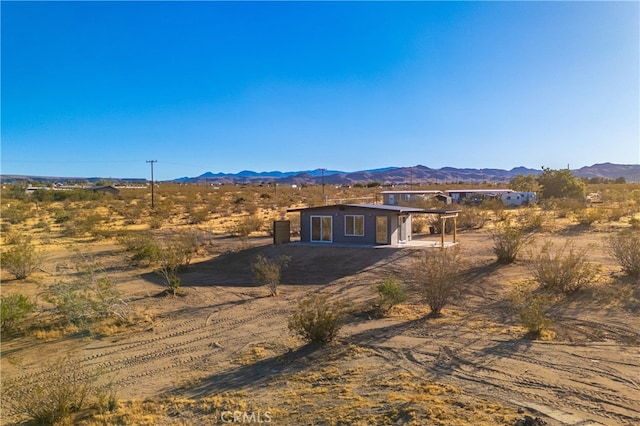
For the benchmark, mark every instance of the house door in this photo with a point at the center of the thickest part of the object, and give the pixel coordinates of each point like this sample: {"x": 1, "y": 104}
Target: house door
{"x": 402, "y": 229}
{"x": 321, "y": 228}
{"x": 382, "y": 230}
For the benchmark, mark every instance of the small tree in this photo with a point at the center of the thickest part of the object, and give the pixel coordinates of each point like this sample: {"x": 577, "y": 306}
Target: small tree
{"x": 391, "y": 292}
{"x": 267, "y": 272}
{"x": 625, "y": 248}
{"x": 14, "y": 308}
{"x": 565, "y": 270}
{"x": 560, "y": 184}
{"x": 317, "y": 319}
{"x": 21, "y": 259}
{"x": 508, "y": 240}
{"x": 438, "y": 277}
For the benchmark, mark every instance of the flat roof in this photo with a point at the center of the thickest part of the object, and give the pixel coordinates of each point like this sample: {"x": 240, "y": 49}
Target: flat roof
{"x": 385, "y": 207}
{"x": 432, "y": 191}
{"x": 479, "y": 191}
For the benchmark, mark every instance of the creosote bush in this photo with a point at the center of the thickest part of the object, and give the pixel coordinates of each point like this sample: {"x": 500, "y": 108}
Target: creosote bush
{"x": 267, "y": 272}
{"x": 52, "y": 397}
{"x": 563, "y": 270}
{"x": 438, "y": 277}
{"x": 390, "y": 293}
{"x": 14, "y": 308}
{"x": 532, "y": 308}
{"x": 508, "y": 240}
{"x": 317, "y": 319}
{"x": 625, "y": 248}
{"x": 21, "y": 258}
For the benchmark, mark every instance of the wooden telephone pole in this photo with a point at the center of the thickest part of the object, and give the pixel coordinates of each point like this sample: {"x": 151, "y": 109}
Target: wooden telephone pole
{"x": 152, "y": 161}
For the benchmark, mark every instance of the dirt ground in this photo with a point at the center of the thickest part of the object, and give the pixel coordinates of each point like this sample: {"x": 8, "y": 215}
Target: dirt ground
{"x": 473, "y": 365}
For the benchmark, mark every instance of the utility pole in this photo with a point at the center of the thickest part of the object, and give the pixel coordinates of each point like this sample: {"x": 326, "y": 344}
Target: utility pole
{"x": 323, "y": 196}
{"x": 152, "y": 161}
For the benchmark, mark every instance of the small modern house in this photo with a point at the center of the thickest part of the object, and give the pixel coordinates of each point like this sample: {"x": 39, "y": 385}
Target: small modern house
{"x": 368, "y": 224}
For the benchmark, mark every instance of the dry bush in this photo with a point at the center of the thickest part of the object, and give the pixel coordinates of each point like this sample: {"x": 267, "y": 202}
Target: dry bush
{"x": 508, "y": 240}
{"x": 21, "y": 258}
{"x": 91, "y": 296}
{"x": 533, "y": 309}
{"x": 52, "y": 397}
{"x": 317, "y": 320}
{"x": 589, "y": 216}
{"x": 174, "y": 254}
{"x": 246, "y": 226}
{"x": 531, "y": 219}
{"x": 267, "y": 272}
{"x": 625, "y": 248}
{"x": 563, "y": 270}
{"x": 438, "y": 277}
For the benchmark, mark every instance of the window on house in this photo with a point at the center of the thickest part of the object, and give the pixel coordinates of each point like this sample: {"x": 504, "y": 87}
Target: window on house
{"x": 354, "y": 225}
{"x": 321, "y": 228}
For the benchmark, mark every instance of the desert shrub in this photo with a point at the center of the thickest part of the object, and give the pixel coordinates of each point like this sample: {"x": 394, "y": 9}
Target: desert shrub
{"x": 390, "y": 293}
{"x": 14, "y": 308}
{"x": 418, "y": 224}
{"x": 530, "y": 219}
{"x": 198, "y": 215}
{"x": 16, "y": 213}
{"x": 560, "y": 184}
{"x": 267, "y": 272}
{"x": 508, "y": 240}
{"x": 21, "y": 258}
{"x": 532, "y": 309}
{"x": 625, "y": 248}
{"x": 563, "y": 270}
{"x": 635, "y": 223}
{"x": 438, "y": 277}
{"x": 142, "y": 246}
{"x": 317, "y": 319}
{"x": 61, "y": 216}
{"x": 174, "y": 254}
{"x": 89, "y": 297}
{"x": 51, "y": 397}
{"x": 589, "y": 216}
{"x": 471, "y": 218}
{"x": 247, "y": 225}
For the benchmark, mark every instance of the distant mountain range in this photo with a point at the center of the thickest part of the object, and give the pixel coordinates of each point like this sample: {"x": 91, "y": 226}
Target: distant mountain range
{"x": 387, "y": 175}
{"x": 407, "y": 175}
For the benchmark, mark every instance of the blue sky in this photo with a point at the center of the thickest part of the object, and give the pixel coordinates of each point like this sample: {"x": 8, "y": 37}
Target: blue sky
{"x": 98, "y": 88}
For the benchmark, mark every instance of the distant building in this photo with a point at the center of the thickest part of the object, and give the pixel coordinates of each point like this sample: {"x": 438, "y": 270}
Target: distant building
{"x": 476, "y": 196}
{"x": 399, "y": 198}
{"x": 108, "y": 189}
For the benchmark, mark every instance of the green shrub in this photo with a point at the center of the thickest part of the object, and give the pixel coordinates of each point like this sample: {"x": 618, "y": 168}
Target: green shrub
{"x": 267, "y": 272}
{"x": 625, "y": 248}
{"x": 391, "y": 292}
{"x": 317, "y": 319}
{"x": 508, "y": 240}
{"x": 532, "y": 308}
{"x": 21, "y": 259}
{"x": 14, "y": 308}
{"x": 564, "y": 270}
{"x": 438, "y": 277}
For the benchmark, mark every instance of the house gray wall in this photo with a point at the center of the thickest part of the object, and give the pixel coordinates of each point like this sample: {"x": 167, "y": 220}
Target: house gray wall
{"x": 338, "y": 214}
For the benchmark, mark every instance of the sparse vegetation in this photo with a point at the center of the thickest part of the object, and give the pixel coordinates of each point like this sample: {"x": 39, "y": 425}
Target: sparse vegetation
{"x": 14, "y": 308}
{"x": 625, "y": 248}
{"x": 61, "y": 390}
{"x": 508, "y": 240}
{"x": 267, "y": 272}
{"x": 438, "y": 277}
{"x": 21, "y": 258}
{"x": 390, "y": 293}
{"x": 533, "y": 309}
{"x": 317, "y": 319}
{"x": 563, "y": 270}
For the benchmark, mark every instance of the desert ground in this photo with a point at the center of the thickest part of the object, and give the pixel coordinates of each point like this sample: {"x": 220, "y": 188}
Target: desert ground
{"x": 220, "y": 351}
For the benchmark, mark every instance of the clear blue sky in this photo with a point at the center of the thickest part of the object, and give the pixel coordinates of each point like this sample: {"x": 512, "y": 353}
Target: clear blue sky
{"x": 97, "y": 88}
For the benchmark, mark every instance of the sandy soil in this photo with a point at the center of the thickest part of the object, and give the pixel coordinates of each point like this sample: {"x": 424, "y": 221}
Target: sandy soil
{"x": 226, "y": 335}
